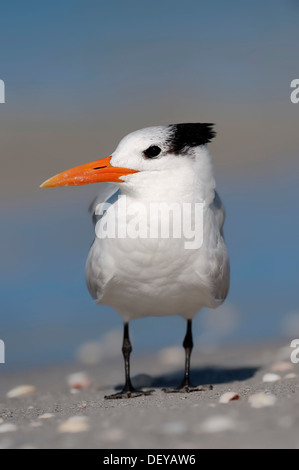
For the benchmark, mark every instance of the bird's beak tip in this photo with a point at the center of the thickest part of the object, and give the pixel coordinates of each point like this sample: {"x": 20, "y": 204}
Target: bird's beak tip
{"x": 46, "y": 184}
{"x": 93, "y": 172}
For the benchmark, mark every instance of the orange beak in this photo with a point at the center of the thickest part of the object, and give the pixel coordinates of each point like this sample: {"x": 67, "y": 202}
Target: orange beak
{"x": 94, "y": 172}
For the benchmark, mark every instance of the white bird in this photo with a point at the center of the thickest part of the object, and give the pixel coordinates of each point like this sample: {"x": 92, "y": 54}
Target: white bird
{"x": 143, "y": 276}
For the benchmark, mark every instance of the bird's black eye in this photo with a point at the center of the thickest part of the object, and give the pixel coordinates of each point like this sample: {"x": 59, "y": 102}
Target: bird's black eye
{"x": 152, "y": 152}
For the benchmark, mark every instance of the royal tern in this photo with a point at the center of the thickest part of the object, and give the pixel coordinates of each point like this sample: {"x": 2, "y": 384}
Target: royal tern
{"x": 145, "y": 275}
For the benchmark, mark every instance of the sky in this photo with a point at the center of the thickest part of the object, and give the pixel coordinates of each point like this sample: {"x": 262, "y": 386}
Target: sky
{"x": 80, "y": 75}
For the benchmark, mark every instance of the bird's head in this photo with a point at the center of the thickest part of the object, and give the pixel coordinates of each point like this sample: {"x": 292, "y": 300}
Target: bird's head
{"x": 146, "y": 154}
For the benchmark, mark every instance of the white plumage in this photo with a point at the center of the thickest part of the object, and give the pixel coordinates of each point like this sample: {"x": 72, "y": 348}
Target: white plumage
{"x": 155, "y": 276}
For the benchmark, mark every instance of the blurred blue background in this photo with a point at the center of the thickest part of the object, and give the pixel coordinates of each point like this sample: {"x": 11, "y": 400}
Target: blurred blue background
{"x": 80, "y": 75}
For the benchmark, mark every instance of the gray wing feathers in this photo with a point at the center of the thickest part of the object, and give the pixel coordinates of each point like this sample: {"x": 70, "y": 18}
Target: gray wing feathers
{"x": 220, "y": 275}
{"x": 96, "y": 279}
{"x": 219, "y": 211}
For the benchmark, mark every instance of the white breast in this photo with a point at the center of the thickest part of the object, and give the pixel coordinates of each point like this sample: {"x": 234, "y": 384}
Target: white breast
{"x": 158, "y": 276}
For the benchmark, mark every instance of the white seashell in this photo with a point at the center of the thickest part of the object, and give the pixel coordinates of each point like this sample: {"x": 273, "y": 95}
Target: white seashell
{"x": 218, "y": 424}
{"x": 78, "y": 381}
{"x": 282, "y": 366}
{"x": 228, "y": 397}
{"x": 262, "y": 400}
{"x": 46, "y": 416}
{"x": 8, "y": 427}
{"x": 75, "y": 424}
{"x": 82, "y": 406}
{"x": 290, "y": 376}
{"x": 21, "y": 391}
{"x": 271, "y": 378}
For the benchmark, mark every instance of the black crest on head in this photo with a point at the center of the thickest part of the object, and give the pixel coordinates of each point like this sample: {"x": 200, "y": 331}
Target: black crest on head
{"x": 184, "y": 136}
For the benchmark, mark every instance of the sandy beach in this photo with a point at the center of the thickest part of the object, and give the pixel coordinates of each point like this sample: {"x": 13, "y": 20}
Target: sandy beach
{"x": 57, "y": 417}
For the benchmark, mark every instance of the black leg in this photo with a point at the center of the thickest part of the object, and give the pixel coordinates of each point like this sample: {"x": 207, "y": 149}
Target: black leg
{"x": 188, "y": 346}
{"x": 186, "y": 384}
{"x": 128, "y": 390}
{"x": 126, "y": 350}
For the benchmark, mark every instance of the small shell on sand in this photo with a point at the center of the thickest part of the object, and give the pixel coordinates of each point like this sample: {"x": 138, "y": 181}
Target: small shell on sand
{"x": 78, "y": 381}
{"x": 271, "y": 378}
{"x": 82, "y": 406}
{"x": 46, "y": 416}
{"x": 262, "y": 400}
{"x": 290, "y": 376}
{"x": 228, "y": 397}
{"x": 218, "y": 424}
{"x": 21, "y": 391}
{"x": 282, "y": 366}
{"x": 8, "y": 427}
{"x": 74, "y": 425}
